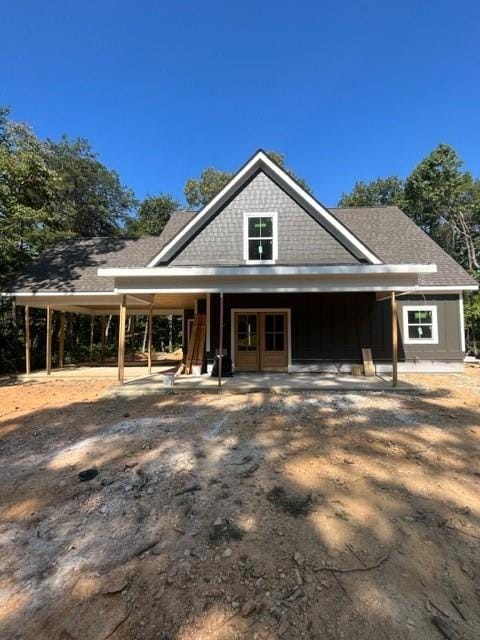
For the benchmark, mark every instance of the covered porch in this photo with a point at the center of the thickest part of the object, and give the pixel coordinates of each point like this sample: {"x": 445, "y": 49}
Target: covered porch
{"x": 125, "y": 363}
{"x": 223, "y": 333}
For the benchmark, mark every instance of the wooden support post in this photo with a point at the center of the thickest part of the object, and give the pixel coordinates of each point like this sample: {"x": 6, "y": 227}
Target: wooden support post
{"x": 122, "y": 322}
{"x": 48, "y": 344}
{"x": 220, "y": 343}
{"x": 27, "y": 340}
{"x": 132, "y": 336}
{"x": 92, "y": 330}
{"x": 61, "y": 341}
{"x": 103, "y": 339}
{"x": 150, "y": 328}
{"x": 394, "y": 340}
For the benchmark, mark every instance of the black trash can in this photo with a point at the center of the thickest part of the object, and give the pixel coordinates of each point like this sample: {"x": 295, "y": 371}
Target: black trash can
{"x": 226, "y": 367}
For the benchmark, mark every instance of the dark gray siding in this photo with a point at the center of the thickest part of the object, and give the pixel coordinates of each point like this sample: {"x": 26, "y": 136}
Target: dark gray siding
{"x": 336, "y": 326}
{"x": 301, "y": 240}
{"x": 449, "y": 342}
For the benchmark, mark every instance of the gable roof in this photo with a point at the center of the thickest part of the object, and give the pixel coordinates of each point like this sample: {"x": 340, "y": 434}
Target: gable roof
{"x": 257, "y": 163}
{"x": 71, "y": 265}
{"x": 396, "y": 239}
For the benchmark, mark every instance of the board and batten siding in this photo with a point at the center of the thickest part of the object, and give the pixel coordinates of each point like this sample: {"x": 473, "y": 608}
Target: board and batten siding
{"x": 334, "y": 327}
{"x": 301, "y": 239}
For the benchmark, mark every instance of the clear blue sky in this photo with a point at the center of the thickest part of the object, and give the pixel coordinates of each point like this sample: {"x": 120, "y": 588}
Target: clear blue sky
{"x": 346, "y": 90}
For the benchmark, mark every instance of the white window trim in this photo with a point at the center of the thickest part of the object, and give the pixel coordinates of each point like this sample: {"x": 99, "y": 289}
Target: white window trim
{"x": 420, "y": 307}
{"x": 261, "y": 214}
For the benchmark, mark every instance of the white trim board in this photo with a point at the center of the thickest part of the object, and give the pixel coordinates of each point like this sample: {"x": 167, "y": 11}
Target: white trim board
{"x": 265, "y": 270}
{"x": 258, "y": 162}
{"x": 209, "y": 312}
{"x": 462, "y": 324}
{"x": 246, "y": 238}
{"x": 420, "y": 307}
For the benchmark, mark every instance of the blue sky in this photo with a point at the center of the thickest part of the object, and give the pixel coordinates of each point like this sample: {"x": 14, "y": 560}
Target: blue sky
{"x": 346, "y": 90}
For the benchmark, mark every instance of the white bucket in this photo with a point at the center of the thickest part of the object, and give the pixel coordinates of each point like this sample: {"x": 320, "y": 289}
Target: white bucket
{"x": 196, "y": 370}
{"x": 169, "y": 379}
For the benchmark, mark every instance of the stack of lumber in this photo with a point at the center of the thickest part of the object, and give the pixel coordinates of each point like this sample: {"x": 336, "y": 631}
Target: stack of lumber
{"x": 196, "y": 345}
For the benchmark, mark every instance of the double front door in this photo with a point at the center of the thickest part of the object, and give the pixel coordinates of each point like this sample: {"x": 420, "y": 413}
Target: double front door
{"x": 261, "y": 341}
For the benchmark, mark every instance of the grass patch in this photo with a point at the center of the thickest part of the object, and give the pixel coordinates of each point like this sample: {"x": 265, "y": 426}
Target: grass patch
{"x": 294, "y": 505}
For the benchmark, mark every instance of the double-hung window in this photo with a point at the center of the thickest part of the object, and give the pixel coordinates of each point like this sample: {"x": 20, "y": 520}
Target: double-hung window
{"x": 260, "y": 238}
{"x": 420, "y": 324}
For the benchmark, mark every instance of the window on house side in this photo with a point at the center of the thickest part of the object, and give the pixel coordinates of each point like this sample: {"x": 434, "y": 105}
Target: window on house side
{"x": 420, "y": 325}
{"x": 260, "y": 244}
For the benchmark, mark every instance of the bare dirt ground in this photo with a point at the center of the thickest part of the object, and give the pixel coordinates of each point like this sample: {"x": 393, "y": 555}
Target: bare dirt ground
{"x": 323, "y": 515}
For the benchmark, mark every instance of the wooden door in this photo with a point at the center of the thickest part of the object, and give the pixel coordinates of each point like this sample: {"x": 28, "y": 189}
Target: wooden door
{"x": 274, "y": 341}
{"x": 247, "y": 342}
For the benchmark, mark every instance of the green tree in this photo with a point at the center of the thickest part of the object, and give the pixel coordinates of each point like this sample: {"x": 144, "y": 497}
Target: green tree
{"x": 199, "y": 191}
{"x": 153, "y": 214}
{"x": 28, "y": 186}
{"x": 379, "y": 192}
{"x": 90, "y": 197}
{"x": 444, "y": 200}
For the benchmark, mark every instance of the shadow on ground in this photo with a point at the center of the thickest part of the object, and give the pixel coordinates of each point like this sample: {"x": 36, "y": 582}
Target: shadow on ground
{"x": 191, "y": 528}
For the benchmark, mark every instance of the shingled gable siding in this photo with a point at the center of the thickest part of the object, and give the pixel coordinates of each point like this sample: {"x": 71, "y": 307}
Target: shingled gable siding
{"x": 301, "y": 240}
{"x": 333, "y": 327}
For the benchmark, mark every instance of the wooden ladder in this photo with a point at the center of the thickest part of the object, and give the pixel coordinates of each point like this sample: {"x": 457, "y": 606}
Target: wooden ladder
{"x": 196, "y": 344}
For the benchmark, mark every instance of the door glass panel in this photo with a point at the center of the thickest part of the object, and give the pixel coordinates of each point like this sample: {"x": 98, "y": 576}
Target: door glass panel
{"x": 269, "y": 323}
{"x": 269, "y": 342}
{"x": 247, "y": 332}
{"x": 274, "y": 332}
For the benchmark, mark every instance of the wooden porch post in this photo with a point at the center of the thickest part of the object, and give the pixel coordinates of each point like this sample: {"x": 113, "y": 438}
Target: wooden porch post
{"x": 48, "y": 351}
{"x": 132, "y": 336}
{"x": 92, "y": 330}
{"x": 122, "y": 321}
{"x": 103, "y": 339}
{"x": 61, "y": 340}
{"x": 150, "y": 327}
{"x": 27, "y": 340}
{"x": 394, "y": 340}
{"x": 220, "y": 342}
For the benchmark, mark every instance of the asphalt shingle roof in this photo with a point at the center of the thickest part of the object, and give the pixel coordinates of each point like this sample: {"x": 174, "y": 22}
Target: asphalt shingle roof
{"x": 395, "y": 239}
{"x": 71, "y": 265}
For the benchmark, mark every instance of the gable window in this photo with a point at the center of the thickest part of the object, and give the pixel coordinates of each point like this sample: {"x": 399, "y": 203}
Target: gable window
{"x": 260, "y": 238}
{"x": 420, "y": 325}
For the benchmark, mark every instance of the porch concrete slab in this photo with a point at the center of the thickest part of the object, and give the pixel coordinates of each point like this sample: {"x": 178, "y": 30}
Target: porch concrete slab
{"x": 274, "y": 382}
{"x": 94, "y": 373}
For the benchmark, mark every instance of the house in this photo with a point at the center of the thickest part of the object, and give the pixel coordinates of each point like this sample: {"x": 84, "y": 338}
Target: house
{"x": 282, "y": 282}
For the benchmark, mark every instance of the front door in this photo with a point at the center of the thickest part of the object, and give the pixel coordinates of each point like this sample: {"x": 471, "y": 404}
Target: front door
{"x": 261, "y": 341}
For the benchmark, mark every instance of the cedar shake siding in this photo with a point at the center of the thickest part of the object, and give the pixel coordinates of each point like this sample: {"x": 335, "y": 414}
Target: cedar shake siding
{"x": 334, "y": 327}
{"x": 301, "y": 239}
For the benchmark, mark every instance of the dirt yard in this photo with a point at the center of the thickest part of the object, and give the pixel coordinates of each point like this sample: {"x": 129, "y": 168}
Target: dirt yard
{"x": 326, "y": 515}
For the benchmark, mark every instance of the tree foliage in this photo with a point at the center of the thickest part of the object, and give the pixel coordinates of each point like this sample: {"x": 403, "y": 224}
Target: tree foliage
{"x": 28, "y": 186}
{"x": 153, "y": 214}
{"x": 90, "y": 197}
{"x": 199, "y": 191}
{"x": 48, "y": 191}
{"x": 379, "y": 192}
{"x": 444, "y": 200}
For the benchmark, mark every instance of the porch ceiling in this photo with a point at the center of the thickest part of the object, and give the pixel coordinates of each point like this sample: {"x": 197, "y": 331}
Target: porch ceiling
{"x": 109, "y": 304}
